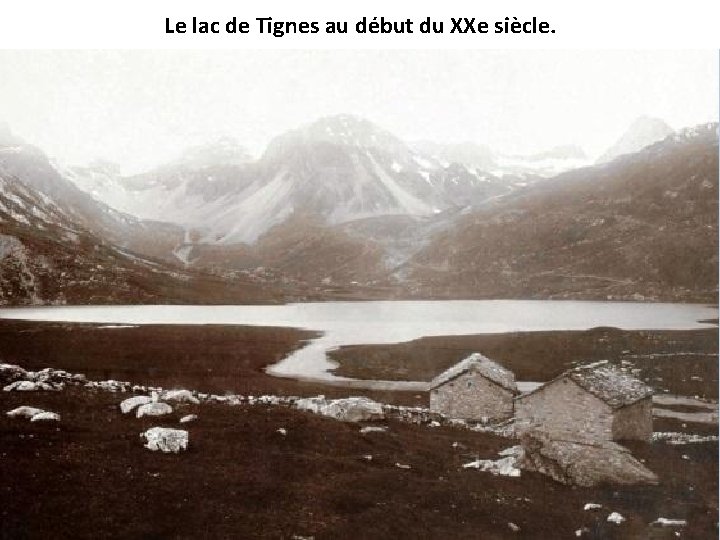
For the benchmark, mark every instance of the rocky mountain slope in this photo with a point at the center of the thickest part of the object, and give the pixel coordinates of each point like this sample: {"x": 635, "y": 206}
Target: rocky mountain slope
{"x": 643, "y": 132}
{"x": 343, "y": 208}
{"x": 47, "y": 257}
{"x": 643, "y": 226}
{"x": 33, "y": 168}
{"x": 338, "y": 169}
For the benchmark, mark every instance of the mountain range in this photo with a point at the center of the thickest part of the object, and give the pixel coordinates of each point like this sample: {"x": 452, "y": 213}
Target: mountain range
{"x": 343, "y": 208}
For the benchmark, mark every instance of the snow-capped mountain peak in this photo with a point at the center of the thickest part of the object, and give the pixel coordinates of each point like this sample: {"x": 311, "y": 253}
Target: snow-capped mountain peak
{"x": 643, "y": 132}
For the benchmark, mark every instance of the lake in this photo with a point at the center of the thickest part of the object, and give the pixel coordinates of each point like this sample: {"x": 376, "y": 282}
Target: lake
{"x": 384, "y": 322}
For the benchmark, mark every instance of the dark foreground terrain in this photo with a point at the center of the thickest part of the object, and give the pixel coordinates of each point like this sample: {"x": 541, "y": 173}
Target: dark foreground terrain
{"x": 90, "y": 477}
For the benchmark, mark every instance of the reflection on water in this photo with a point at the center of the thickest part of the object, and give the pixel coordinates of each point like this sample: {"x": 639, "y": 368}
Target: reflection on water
{"x": 382, "y": 322}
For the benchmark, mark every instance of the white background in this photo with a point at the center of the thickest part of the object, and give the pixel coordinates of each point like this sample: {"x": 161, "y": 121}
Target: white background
{"x": 603, "y": 24}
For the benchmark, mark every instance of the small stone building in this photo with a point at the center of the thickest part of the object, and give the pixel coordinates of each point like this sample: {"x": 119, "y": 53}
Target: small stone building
{"x": 595, "y": 402}
{"x": 474, "y": 389}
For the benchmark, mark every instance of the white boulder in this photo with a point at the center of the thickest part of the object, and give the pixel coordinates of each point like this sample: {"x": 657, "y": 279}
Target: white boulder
{"x": 372, "y": 429}
{"x": 9, "y": 372}
{"x": 181, "y": 396}
{"x": 130, "y": 403}
{"x": 354, "y": 409}
{"x": 154, "y": 409}
{"x": 166, "y": 439}
{"x": 506, "y": 466}
{"x": 46, "y": 416}
{"x": 666, "y": 522}
{"x": 312, "y": 404}
{"x": 24, "y": 411}
{"x": 188, "y": 418}
{"x": 616, "y": 518}
{"x": 351, "y": 409}
{"x": 498, "y": 467}
{"x": 27, "y": 386}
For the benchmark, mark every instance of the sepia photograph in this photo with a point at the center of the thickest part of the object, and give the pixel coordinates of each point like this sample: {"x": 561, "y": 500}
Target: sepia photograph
{"x": 372, "y": 294}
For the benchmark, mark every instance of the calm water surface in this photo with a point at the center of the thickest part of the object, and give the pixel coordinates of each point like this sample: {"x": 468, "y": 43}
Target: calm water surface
{"x": 382, "y": 322}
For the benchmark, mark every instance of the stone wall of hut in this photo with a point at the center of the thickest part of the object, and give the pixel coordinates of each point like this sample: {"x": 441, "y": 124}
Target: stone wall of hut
{"x": 472, "y": 397}
{"x": 634, "y": 422}
{"x": 565, "y": 411}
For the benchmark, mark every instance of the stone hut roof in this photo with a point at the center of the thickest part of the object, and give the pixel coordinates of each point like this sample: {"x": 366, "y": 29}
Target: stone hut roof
{"x": 482, "y": 365}
{"x": 611, "y": 385}
{"x": 605, "y": 382}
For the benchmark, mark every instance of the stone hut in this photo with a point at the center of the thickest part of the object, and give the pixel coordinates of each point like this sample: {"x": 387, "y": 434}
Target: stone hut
{"x": 474, "y": 389}
{"x": 595, "y": 402}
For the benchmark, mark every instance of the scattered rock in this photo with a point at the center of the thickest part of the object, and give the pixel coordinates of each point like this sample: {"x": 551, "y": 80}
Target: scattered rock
{"x": 665, "y": 522}
{"x": 372, "y": 429}
{"x": 46, "y": 416}
{"x": 402, "y": 466}
{"x": 506, "y": 466}
{"x": 282, "y": 431}
{"x": 180, "y": 396}
{"x": 501, "y": 467}
{"x": 513, "y": 527}
{"x": 582, "y": 463}
{"x": 188, "y": 418}
{"x": 166, "y": 439}
{"x": 154, "y": 409}
{"x": 592, "y": 506}
{"x": 27, "y": 386}
{"x": 24, "y": 411}
{"x": 615, "y": 518}
{"x": 11, "y": 372}
{"x": 129, "y": 404}
{"x": 352, "y": 409}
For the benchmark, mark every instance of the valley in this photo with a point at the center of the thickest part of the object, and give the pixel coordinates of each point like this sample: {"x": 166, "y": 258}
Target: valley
{"x": 383, "y": 294}
{"x": 343, "y": 209}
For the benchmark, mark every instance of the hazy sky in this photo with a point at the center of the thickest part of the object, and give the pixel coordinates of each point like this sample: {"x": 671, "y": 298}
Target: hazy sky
{"x": 140, "y": 108}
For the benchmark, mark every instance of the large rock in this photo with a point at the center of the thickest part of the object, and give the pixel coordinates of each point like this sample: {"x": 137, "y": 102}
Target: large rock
{"x": 166, "y": 439}
{"x": 582, "y": 463}
{"x": 130, "y": 403}
{"x": 27, "y": 386}
{"x": 24, "y": 411}
{"x": 355, "y": 409}
{"x": 46, "y": 416}
{"x": 311, "y": 404}
{"x": 180, "y": 396}
{"x": 11, "y": 372}
{"x": 352, "y": 409}
{"x": 154, "y": 409}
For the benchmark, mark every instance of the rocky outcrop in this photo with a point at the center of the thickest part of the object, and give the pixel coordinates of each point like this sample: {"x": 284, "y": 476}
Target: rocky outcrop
{"x": 179, "y": 396}
{"x": 24, "y": 411}
{"x": 154, "y": 409}
{"x": 129, "y": 404}
{"x": 582, "y": 463}
{"x": 165, "y": 439}
{"x": 46, "y": 416}
{"x": 352, "y": 409}
{"x": 507, "y": 465}
{"x": 34, "y": 414}
{"x": 27, "y": 386}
